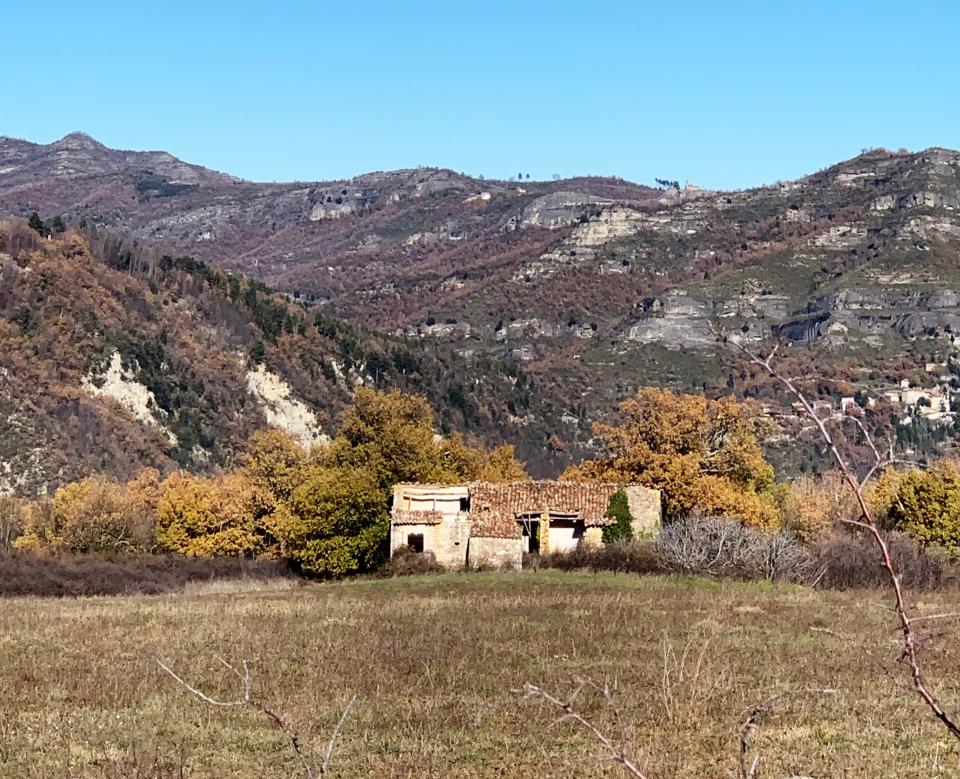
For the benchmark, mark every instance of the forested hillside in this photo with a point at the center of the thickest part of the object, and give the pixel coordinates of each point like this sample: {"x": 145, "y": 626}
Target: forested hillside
{"x": 114, "y": 357}
{"x": 530, "y": 309}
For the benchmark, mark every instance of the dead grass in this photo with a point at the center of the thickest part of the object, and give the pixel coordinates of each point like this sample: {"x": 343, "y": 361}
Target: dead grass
{"x": 433, "y": 660}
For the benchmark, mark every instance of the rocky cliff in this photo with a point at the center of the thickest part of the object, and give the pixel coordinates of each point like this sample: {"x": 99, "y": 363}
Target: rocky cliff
{"x": 595, "y": 285}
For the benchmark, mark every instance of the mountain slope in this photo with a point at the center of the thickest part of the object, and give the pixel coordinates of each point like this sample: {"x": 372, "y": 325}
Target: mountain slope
{"x": 113, "y": 358}
{"x": 592, "y": 286}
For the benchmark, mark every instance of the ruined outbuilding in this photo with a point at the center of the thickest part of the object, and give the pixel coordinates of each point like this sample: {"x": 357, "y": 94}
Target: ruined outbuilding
{"x": 488, "y": 524}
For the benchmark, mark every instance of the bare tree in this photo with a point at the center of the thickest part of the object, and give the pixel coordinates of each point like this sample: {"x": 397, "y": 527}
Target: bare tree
{"x": 315, "y": 765}
{"x": 867, "y": 522}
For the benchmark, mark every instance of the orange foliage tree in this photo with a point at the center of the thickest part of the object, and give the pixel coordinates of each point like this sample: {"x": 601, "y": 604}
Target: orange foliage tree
{"x": 702, "y": 454}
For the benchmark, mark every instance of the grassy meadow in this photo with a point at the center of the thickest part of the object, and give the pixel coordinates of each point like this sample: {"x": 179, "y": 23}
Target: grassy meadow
{"x": 433, "y": 660}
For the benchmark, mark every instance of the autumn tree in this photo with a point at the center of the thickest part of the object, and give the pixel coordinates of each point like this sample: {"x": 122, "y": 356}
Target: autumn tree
{"x": 338, "y": 522}
{"x": 275, "y": 463}
{"x": 702, "y": 454}
{"x": 91, "y": 515}
{"x": 923, "y": 503}
{"x": 212, "y": 517}
{"x": 464, "y": 463}
{"x": 13, "y": 513}
{"x": 390, "y": 435}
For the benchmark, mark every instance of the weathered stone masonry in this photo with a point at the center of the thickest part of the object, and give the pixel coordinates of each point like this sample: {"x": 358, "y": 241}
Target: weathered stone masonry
{"x": 487, "y": 524}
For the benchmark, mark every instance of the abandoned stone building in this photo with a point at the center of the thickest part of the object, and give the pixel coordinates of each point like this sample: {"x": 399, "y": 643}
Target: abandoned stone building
{"x": 489, "y": 524}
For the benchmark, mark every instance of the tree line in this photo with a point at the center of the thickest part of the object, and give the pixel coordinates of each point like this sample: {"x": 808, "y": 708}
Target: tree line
{"x": 326, "y": 510}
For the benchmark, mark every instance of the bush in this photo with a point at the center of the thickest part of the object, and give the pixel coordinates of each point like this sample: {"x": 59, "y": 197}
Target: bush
{"x": 722, "y": 546}
{"x": 406, "y": 562}
{"x": 845, "y": 561}
{"x": 92, "y": 574}
{"x": 926, "y": 504}
{"x": 632, "y": 557}
{"x": 815, "y": 505}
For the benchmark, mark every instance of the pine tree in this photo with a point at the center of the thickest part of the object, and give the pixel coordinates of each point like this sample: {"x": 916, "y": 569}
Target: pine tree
{"x": 36, "y": 223}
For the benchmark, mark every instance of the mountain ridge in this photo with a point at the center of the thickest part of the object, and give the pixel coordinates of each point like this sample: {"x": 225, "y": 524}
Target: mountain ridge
{"x": 593, "y": 286}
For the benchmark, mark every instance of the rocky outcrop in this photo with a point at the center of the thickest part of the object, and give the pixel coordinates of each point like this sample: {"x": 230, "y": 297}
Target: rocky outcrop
{"x": 582, "y": 246}
{"x": 119, "y": 384}
{"x": 804, "y": 330}
{"x": 921, "y": 322}
{"x": 559, "y": 209}
{"x": 282, "y": 410}
{"x": 681, "y": 322}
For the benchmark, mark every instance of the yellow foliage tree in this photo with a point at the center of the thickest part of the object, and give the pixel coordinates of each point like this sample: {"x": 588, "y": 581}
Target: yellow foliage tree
{"x": 462, "y": 462}
{"x": 501, "y": 465}
{"x": 816, "y": 505}
{"x": 39, "y": 527}
{"x": 338, "y": 522}
{"x": 923, "y": 503}
{"x": 91, "y": 515}
{"x": 275, "y": 463}
{"x": 390, "y": 435}
{"x": 204, "y": 517}
{"x": 703, "y": 454}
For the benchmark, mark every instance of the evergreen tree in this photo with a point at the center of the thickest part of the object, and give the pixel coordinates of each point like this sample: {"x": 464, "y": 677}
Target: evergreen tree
{"x": 619, "y": 511}
{"x": 36, "y": 223}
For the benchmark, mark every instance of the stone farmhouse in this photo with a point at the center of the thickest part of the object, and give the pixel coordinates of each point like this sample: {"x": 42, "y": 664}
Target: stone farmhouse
{"x": 489, "y": 524}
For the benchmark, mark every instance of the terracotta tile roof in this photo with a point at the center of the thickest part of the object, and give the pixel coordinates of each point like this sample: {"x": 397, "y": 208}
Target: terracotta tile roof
{"x": 401, "y": 517}
{"x": 588, "y": 501}
{"x": 493, "y": 524}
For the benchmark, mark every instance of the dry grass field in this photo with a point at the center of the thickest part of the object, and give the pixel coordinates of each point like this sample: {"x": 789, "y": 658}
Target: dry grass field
{"x": 433, "y": 660}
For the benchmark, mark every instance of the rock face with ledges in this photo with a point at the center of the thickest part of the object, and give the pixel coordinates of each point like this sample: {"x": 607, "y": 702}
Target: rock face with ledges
{"x": 596, "y": 283}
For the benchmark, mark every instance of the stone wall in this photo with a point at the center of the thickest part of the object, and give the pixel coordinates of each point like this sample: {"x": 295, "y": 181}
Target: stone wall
{"x": 447, "y": 540}
{"x": 496, "y": 553}
{"x": 593, "y": 536}
{"x": 646, "y": 510}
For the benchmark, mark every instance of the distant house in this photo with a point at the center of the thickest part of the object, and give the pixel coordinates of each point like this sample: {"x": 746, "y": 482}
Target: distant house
{"x": 932, "y": 404}
{"x": 483, "y": 523}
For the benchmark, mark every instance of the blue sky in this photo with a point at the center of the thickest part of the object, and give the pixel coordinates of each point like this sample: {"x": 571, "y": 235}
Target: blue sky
{"x": 724, "y": 95}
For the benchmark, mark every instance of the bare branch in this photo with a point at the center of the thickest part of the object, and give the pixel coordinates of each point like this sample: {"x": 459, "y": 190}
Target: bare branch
{"x": 328, "y": 752}
{"x": 868, "y": 522}
{"x": 311, "y": 769}
{"x": 612, "y": 751}
{"x": 202, "y": 696}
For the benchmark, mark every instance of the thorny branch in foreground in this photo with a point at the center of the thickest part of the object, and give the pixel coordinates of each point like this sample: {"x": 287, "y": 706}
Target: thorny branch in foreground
{"x": 616, "y": 752}
{"x": 867, "y": 522}
{"x": 748, "y": 767}
{"x": 312, "y": 770}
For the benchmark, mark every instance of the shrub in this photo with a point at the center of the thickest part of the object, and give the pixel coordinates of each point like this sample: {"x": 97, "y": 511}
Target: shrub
{"x": 814, "y": 506}
{"x": 406, "y": 562}
{"x": 70, "y": 575}
{"x": 846, "y": 560}
{"x": 638, "y": 557}
{"x": 723, "y": 546}
{"x": 619, "y": 511}
{"x": 926, "y": 504}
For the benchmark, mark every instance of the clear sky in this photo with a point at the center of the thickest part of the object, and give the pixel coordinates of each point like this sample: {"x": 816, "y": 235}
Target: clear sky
{"x": 723, "y": 94}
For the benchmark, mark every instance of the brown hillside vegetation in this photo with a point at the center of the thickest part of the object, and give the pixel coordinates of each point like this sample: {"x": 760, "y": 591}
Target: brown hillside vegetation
{"x": 596, "y": 286}
{"x": 75, "y": 307}
{"x": 433, "y": 660}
